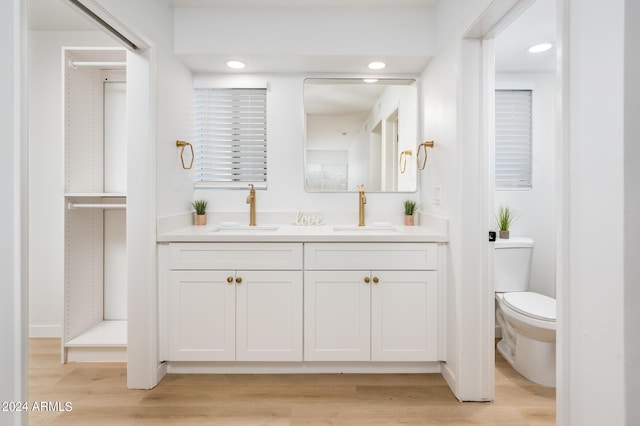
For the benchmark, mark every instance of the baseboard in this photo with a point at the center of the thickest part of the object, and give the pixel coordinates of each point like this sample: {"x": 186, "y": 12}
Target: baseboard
{"x": 45, "y": 331}
{"x": 193, "y": 367}
{"x": 161, "y": 371}
{"x": 450, "y": 378}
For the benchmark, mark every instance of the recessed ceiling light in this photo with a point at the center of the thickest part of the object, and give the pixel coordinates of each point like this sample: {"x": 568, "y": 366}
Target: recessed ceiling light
{"x": 540, "y": 47}
{"x": 370, "y": 80}
{"x": 377, "y": 65}
{"x": 235, "y": 64}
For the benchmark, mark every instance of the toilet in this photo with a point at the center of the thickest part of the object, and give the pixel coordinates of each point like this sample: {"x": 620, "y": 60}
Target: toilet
{"x": 527, "y": 319}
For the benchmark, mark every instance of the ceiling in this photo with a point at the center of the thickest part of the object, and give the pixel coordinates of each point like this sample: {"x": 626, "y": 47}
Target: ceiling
{"x": 535, "y": 24}
{"x": 56, "y": 15}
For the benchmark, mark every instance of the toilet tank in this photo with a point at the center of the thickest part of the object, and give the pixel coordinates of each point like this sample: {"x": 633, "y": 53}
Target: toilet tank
{"x": 512, "y": 261}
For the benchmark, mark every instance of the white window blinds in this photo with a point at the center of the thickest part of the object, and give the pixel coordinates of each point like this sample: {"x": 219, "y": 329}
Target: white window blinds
{"x": 513, "y": 139}
{"x": 230, "y": 138}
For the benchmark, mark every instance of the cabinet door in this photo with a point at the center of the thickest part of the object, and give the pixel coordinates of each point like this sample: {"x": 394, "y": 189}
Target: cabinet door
{"x": 337, "y": 316}
{"x": 269, "y": 316}
{"x": 404, "y": 316}
{"x": 201, "y": 316}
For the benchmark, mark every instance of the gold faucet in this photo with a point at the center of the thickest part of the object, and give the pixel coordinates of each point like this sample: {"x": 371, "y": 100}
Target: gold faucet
{"x": 362, "y": 200}
{"x": 251, "y": 200}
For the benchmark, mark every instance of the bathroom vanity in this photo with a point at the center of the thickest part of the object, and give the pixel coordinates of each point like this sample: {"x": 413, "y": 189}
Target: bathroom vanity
{"x": 301, "y": 299}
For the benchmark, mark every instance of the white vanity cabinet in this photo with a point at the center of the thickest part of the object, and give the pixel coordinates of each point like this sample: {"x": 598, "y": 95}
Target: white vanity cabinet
{"x": 337, "y": 316}
{"x": 371, "y": 302}
{"x": 201, "y": 316}
{"x": 235, "y": 302}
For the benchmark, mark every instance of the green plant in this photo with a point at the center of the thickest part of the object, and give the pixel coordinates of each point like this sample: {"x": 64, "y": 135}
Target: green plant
{"x": 409, "y": 207}
{"x": 200, "y": 206}
{"x": 505, "y": 217}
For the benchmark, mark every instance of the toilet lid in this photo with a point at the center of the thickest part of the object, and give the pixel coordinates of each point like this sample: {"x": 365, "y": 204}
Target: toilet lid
{"x": 531, "y": 304}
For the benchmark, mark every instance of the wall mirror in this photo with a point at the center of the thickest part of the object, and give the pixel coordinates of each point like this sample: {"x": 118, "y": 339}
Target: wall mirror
{"x": 360, "y": 131}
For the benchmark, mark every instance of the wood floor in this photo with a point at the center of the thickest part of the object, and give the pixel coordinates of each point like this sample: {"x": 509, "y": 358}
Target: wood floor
{"x": 98, "y": 396}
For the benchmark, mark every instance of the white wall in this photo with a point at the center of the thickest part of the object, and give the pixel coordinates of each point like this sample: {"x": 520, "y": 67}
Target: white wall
{"x": 453, "y": 166}
{"x": 13, "y": 232}
{"x": 46, "y": 174}
{"x": 632, "y": 211}
{"x": 593, "y": 360}
{"x": 318, "y": 31}
{"x": 171, "y": 92}
{"x": 535, "y": 208}
{"x": 285, "y": 154}
{"x": 175, "y": 122}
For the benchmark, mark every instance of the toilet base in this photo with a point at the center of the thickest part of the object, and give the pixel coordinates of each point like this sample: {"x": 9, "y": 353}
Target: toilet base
{"x": 533, "y": 359}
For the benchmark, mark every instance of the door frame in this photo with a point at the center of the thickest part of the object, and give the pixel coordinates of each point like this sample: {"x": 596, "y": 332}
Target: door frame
{"x": 479, "y": 40}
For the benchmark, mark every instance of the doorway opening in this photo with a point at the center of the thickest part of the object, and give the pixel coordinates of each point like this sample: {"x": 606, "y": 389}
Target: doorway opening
{"x": 527, "y": 182}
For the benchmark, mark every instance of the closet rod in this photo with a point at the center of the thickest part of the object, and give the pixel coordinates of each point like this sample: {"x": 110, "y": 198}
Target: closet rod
{"x": 75, "y": 64}
{"x": 72, "y": 206}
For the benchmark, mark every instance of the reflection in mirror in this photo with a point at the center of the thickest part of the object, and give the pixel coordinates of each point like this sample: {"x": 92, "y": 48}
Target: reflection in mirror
{"x": 356, "y": 132}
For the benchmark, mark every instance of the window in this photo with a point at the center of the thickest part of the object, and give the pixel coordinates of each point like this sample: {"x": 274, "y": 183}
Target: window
{"x": 230, "y": 138}
{"x": 513, "y": 139}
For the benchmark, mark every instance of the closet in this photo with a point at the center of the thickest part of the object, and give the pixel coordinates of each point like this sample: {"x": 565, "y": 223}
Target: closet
{"x": 95, "y": 183}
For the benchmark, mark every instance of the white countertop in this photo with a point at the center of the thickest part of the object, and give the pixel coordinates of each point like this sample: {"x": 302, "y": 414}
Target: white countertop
{"x": 293, "y": 233}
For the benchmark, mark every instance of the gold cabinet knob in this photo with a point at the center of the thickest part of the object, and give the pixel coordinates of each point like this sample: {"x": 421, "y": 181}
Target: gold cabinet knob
{"x": 376, "y": 280}
{"x": 367, "y": 280}
{"x": 229, "y": 280}
{"x": 239, "y": 280}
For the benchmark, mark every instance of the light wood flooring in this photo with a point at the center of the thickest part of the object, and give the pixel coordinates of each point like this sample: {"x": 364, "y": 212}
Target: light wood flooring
{"x": 99, "y": 396}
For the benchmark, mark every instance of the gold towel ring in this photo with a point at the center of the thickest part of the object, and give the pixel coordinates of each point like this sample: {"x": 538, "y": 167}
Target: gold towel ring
{"x": 423, "y": 146}
{"x": 184, "y": 144}
{"x": 403, "y": 159}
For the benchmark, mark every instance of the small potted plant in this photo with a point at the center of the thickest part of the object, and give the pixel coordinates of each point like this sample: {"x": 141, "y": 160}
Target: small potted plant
{"x": 505, "y": 218}
{"x": 409, "y": 210}
{"x": 201, "y": 211}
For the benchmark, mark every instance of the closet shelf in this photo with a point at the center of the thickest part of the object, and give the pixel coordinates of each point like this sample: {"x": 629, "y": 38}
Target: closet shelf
{"x": 72, "y": 206}
{"x": 95, "y": 194}
{"x": 108, "y": 333}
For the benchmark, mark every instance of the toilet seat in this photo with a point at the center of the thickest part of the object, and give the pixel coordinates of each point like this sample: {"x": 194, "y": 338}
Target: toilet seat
{"x": 532, "y": 305}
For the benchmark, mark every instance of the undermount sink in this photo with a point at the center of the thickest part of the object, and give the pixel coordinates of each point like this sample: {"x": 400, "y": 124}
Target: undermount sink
{"x": 245, "y": 228}
{"x": 366, "y": 228}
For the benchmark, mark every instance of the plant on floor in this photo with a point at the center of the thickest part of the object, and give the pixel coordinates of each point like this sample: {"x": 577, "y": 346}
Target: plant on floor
{"x": 505, "y": 217}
